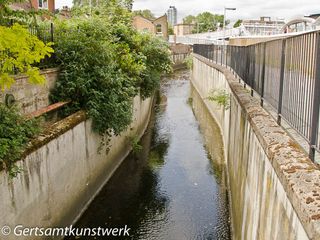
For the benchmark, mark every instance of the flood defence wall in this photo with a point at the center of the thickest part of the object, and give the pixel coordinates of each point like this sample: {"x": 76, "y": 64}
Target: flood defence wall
{"x": 64, "y": 170}
{"x": 274, "y": 187}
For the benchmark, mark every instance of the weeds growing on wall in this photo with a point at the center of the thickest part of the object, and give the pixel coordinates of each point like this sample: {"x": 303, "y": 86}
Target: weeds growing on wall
{"x": 104, "y": 64}
{"x": 221, "y": 97}
{"x": 134, "y": 142}
{"x": 15, "y": 133}
{"x": 189, "y": 61}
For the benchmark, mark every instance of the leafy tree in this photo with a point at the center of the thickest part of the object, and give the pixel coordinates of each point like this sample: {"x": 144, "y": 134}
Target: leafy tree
{"x": 237, "y": 23}
{"x": 144, "y": 13}
{"x": 112, "y": 11}
{"x": 170, "y": 30}
{"x": 104, "y": 64}
{"x": 208, "y": 21}
{"x": 19, "y": 50}
{"x": 189, "y": 19}
{"x": 96, "y": 3}
{"x": 7, "y": 14}
{"x": 205, "y": 21}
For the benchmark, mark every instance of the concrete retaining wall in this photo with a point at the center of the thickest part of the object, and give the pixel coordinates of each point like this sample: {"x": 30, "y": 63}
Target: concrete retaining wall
{"x": 274, "y": 187}
{"x": 31, "y": 97}
{"x": 179, "y": 60}
{"x": 65, "y": 172}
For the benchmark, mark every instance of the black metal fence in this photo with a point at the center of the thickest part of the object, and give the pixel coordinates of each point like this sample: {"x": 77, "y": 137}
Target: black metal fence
{"x": 285, "y": 73}
{"x": 46, "y": 34}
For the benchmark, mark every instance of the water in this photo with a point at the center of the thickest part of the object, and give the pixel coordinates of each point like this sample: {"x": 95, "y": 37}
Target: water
{"x": 171, "y": 190}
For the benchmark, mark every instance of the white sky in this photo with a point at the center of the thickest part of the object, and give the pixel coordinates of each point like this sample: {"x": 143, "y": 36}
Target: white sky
{"x": 246, "y": 9}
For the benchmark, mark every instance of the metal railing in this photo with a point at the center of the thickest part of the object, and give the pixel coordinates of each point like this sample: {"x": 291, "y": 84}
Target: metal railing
{"x": 286, "y": 75}
{"x": 46, "y": 34}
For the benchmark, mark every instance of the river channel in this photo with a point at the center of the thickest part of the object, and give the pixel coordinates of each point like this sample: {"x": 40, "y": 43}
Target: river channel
{"x": 173, "y": 189}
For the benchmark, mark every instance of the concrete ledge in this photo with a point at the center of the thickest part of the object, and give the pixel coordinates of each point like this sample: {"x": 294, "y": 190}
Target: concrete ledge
{"x": 55, "y": 70}
{"x": 298, "y": 175}
{"x": 55, "y": 130}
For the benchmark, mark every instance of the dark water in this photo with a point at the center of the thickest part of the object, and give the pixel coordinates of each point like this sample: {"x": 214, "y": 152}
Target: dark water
{"x": 171, "y": 190}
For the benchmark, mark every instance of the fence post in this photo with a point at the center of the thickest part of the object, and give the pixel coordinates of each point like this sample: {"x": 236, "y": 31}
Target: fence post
{"x": 51, "y": 31}
{"x": 217, "y": 55}
{"x": 253, "y": 70}
{"x": 226, "y": 62}
{"x": 263, "y": 73}
{"x": 281, "y": 80}
{"x": 222, "y": 53}
{"x": 213, "y": 51}
{"x": 316, "y": 101}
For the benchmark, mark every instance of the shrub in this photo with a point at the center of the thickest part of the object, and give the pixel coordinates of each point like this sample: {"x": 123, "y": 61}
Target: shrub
{"x": 15, "y": 133}
{"x": 103, "y": 66}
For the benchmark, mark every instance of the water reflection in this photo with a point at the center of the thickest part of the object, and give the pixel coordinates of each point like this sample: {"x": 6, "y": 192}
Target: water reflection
{"x": 171, "y": 190}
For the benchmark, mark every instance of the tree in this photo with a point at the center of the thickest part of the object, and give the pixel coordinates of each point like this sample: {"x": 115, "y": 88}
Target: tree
{"x": 189, "y": 19}
{"x": 170, "y": 30}
{"x": 104, "y": 63}
{"x": 19, "y": 51}
{"x": 95, "y": 3}
{"x": 237, "y": 23}
{"x": 205, "y": 21}
{"x": 208, "y": 21}
{"x": 144, "y": 13}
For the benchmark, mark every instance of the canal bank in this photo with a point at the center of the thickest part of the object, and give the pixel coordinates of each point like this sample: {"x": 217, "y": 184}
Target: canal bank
{"x": 174, "y": 188}
{"x": 274, "y": 187}
{"x": 65, "y": 171}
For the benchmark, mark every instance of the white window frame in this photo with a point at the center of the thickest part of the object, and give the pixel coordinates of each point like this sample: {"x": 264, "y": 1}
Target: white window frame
{"x": 44, "y": 4}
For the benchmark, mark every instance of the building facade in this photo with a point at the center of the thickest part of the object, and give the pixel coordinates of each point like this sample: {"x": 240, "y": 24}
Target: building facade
{"x": 264, "y": 26}
{"x": 158, "y": 27}
{"x": 183, "y": 29}
{"x": 172, "y": 14}
{"x": 35, "y": 4}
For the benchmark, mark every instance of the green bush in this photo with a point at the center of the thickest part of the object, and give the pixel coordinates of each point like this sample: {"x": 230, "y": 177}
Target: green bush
{"x": 103, "y": 66}
{"x": 15, "y": 133}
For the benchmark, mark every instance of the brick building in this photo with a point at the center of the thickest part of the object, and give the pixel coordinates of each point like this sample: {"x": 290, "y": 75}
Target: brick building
{"x": 158, "y": 27}
{"x": 36, "y": 4}
{"x": 183, "y": 29}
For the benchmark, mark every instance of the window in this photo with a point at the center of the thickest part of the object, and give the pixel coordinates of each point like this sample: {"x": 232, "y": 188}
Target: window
{"x": 43, "y": 4}
{"x": 159, "y": 28}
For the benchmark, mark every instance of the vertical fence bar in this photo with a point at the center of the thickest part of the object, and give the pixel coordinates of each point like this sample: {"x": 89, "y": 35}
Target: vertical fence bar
{"x": 263, "y": 73}
{"x": 225, "y": 59}
{"x": 253, "y": 69}
{"x": 216, "y": 55}
{"x": 281, "y": 81}
{"x": 51, "y": 31}
{"x": 316, "y": 102}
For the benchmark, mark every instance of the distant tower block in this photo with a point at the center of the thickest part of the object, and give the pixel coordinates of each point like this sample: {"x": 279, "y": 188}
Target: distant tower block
{"x": 172, "y": 15}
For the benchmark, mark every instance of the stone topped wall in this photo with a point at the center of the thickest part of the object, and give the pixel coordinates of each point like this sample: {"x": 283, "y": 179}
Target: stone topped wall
{"x": 274, "y": 187}
{"x": 31, "y": 97}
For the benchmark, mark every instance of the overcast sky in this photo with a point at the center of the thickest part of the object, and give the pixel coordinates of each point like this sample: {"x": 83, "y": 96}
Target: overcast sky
{"x": 246, "y": 9}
